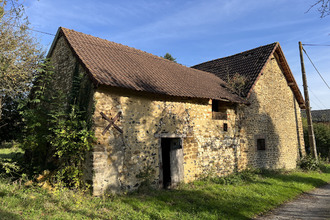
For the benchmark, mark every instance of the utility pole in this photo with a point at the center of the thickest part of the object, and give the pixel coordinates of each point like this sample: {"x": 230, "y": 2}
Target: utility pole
{"x": 311, "y": 136}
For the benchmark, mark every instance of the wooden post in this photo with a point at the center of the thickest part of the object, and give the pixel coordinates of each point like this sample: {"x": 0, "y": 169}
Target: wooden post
{"x": 311, "y": 136}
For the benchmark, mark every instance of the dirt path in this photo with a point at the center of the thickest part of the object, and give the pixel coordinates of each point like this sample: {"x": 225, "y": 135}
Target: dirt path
{"x": 312, "y": 205}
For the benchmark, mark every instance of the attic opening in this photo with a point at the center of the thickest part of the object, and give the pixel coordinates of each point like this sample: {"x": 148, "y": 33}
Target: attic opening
{"x": 171, "y": 164}
{"x": 219, "y": 110}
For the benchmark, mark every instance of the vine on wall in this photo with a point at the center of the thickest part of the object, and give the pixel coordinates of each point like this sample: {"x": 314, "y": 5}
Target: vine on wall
{"x": 57, "y": 135}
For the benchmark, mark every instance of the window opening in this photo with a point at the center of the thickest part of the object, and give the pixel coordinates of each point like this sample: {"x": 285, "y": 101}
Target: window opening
{"x": 225, "y": 127}
{"x": 261, "y": 144}
{"x": 219, "y": 110}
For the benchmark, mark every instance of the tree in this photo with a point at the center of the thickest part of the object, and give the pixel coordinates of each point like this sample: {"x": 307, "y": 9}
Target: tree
{"x": 20, "y": 52}
{"x": 322, "y": 138}
{"x": 169, "y": 57}
{"x": 323, "y": 7}
{"x": 237, "y": 83}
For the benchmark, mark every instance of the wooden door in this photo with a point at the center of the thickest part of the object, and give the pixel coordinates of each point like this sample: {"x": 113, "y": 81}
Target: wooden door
{"x": 176, "y": 162}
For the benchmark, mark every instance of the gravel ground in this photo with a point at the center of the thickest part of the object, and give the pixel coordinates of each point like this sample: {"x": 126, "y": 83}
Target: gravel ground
{"x": 312, "y": 205}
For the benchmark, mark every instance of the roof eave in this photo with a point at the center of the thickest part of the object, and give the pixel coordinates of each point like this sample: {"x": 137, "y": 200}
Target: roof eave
{"x": 287, "y": 73}
{"x": 290, "y": 78}
{"x": 262, "y": 70}
{"x": 51, "y": 49}
{"x": 59, "y": 33}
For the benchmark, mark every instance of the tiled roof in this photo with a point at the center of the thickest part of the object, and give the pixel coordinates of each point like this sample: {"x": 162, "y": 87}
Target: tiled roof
{"x": 116, "y": 65}
{"x": 250, "y": 64}
{"x": 319, "y": 115}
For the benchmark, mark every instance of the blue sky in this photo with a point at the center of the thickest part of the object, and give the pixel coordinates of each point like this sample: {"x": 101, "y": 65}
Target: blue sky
{"x": 195, "y": 31}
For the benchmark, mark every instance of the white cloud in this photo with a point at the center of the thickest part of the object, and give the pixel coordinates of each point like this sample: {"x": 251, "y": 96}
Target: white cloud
{"x": 197, "y": 30}
{"x": 197, "y": 18}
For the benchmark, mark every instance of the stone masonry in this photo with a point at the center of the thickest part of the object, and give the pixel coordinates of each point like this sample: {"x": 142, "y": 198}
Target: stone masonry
{"x": 118, "y": 158}
{"x": 274, "y": 114}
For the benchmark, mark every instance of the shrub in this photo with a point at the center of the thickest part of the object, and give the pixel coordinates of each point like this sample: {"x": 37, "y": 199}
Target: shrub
{"x": 309, "y": 163}
{"x": 57, "y": 134}
{"x": 322, "y": 138}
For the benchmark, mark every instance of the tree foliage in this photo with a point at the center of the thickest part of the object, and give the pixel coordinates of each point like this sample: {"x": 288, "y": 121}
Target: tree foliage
{"x": 237, "y": 83}
{"x": 57, "y": 136}
{"x": 168, "y": 56}
{"x": 322, "y": 138}
{"x": 20, "y": 51}
{"x": 323, "y": 6}
{"x": 11, "y": 120}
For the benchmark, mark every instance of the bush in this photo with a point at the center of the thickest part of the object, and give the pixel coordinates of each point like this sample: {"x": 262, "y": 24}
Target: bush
{"x": 322, "y": 138}
{"x": 309, "y": 163}
{"x": 57, "y": 134}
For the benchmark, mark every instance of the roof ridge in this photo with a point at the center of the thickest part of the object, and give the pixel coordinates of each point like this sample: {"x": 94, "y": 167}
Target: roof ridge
{"x": 129, "y": 49}
{"x": 136, "y": 51}
{"x": 319, "y": 110}
{"x": 275, "y": 44}
{"x": 117, "y": 65}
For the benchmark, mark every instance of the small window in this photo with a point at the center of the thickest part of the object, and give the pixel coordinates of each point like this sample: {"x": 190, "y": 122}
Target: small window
{"x": 225, "y": 127}
{"x": 261, "y": 144}
{"x": 219, "y": 110}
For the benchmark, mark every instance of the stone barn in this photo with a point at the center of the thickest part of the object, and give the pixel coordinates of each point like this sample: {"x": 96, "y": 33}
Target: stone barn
{"x": 271, "y": 125}
{"x": 165, "y": 123}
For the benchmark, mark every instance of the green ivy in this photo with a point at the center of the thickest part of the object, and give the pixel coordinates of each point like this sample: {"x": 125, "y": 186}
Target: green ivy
{"x": 35, "y": 113}
{"x": 57, "y": 136}
{"x": 71, "y": 140}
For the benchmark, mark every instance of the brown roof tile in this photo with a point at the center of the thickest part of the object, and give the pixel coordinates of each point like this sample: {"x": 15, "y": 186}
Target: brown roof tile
{"x": 121, "y": 66}
{"x": 250, "y": 64}
{"x": 318, "y": 115}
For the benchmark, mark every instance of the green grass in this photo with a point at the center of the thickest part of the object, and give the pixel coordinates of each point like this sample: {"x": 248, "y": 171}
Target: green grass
{"x": 198, "y": 200}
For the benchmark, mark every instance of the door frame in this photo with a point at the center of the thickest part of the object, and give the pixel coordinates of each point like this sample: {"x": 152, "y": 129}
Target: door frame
{"x": 160, "y": 136}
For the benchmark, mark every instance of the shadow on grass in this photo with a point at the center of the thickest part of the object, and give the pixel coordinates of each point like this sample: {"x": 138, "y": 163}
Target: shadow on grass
{"x": 197, "y": 204}
{"x": 217, "y": 201}
{"x": 8, "y": 215}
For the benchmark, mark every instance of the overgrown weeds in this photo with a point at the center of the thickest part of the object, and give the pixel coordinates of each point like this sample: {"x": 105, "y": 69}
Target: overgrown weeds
{"x": 10, "y": 160}
{"x": 309, "y": 163}
{"x": 57, "y": 134}
{"x": 241, "y": 197}
{"x": 248, "y": 175}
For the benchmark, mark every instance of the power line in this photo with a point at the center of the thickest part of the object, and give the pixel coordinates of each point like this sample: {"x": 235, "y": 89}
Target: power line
{"x": 316, "y": 69}
{"x": 316, "y": 104}
{"x": 19, "y": 21}
{"x": 42, "y": 32}
{"x": 317, "y": 45}
{"x": 315, "y": 96}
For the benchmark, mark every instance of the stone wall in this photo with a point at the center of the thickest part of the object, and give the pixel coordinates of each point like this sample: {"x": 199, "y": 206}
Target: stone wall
{"x": 72, "y": 80}
{"x": 120, "y": 157}
{"x": 70, "y": 77}
{"x": 64, "y": 66}
{"x": 274, "y": 115}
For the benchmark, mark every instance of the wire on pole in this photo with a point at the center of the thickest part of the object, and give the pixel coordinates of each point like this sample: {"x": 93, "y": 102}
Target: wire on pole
{"x": 316, "y": 69}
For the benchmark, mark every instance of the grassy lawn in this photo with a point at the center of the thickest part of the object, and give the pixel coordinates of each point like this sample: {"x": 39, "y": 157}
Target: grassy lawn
{"x": 198, "y": 200}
